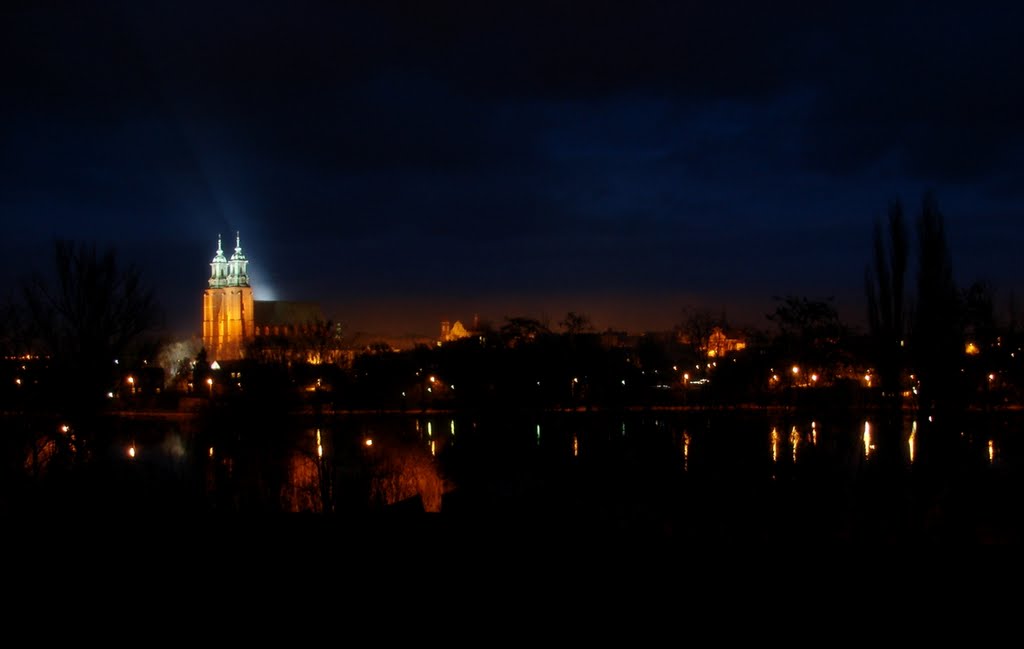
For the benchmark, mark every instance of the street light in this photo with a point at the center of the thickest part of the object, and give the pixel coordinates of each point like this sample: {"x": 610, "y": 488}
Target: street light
{"x": 209, "y": 382}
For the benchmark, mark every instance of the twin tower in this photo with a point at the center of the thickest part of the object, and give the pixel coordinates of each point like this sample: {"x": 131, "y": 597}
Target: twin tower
{"x": 228, "y": 322}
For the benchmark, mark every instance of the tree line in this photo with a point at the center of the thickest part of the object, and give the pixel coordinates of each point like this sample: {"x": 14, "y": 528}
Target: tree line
{"x": 94, "y": 315}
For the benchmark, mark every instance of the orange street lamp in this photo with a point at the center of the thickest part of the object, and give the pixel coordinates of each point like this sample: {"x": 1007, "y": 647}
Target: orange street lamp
{"x": 209, "y": 382}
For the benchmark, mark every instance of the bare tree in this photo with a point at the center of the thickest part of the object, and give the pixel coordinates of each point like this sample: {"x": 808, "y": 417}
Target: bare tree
{"x": 576, "y": 323}
{"x": 696, "y": 328}
{"x": 87, "y": 319}
{"x": 937, "y": 340}
{"x": 519, "y": 330}
{"x": 884, "y": 285}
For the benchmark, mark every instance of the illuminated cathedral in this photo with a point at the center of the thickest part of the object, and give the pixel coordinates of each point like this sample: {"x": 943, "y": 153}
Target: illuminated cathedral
{"x": 228, "y": 312}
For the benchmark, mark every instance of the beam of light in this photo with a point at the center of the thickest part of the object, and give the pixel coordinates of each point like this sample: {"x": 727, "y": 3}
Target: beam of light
{"x": 775, "y": 444}
{"x": 868, "y": 446}
{"x": 538, "y": 434}
{"x": 814, "y": 433}
{"x": 263, "y": 287}
{"x": 433, "y": 447}
{"x": 430, "y": 426}
{"x": 991, "y": 451}
{"x": 451, "y": 425}
{"x": 575, "y": 445}
{"x": 319, "y": 445}
{"x": 131, "y": 451}
{"x": 794, "y": 439}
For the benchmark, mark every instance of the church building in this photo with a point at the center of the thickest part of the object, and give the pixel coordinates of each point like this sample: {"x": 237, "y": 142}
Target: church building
{"x": 235, "y": 326}
{"x": 228, "y": 313}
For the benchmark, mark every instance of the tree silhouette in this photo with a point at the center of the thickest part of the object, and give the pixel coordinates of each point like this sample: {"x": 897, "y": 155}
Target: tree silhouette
{"x": 981, "y": 329}
{"x": 885, "y": 287}
{"x": 576, "y": 323}
{"x": 937, "y": 340}
{"x": 519, "y": 330}
{"x": 696, "y": 328}
{"x": 809, "y": 332}
{"x": 87, "y": 320}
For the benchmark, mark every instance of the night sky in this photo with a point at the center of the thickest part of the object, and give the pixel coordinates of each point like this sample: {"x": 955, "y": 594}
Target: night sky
{"x": 407, "y": 163}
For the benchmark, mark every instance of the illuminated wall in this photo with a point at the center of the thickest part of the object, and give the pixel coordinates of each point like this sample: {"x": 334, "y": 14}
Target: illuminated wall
{"x": 227, "y": 321}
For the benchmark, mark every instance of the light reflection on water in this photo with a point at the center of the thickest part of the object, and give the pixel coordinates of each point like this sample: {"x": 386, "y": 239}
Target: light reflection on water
{"x": 362, "y": 462}
{"x": 912, "y": 440}
{"x": 794, "y": 440}
{"x": 686, "y": 451}
{"x": 775, "y": 444}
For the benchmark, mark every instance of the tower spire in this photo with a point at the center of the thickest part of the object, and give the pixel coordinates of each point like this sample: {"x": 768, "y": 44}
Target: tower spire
{"x": 228, "y": 324}
{"x": 237, "y": 266}
{"x": 218, "y": 267}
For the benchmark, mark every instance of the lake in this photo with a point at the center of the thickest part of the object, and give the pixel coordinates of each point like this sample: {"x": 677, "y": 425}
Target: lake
{"x": 691, "y": 475}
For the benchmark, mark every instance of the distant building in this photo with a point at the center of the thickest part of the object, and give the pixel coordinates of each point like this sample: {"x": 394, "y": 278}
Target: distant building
{"x": 450, "y": 332}
{"x": 284, "y": 318}
{"x": 296, "y": 331}
{"x": 228, "y": 312}
{"x": 233, "y": 320}
{"x": 721, "y": 343}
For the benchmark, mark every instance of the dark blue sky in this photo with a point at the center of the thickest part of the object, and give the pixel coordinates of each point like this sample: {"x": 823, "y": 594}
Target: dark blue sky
{"x": 406, "y": 163}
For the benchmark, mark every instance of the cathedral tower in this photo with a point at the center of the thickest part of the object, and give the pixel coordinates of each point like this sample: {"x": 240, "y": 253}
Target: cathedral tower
{"x": 227, "y": 306}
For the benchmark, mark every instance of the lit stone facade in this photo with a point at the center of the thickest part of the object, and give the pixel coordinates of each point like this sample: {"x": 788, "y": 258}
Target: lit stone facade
{"x": 228, "y": 306}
